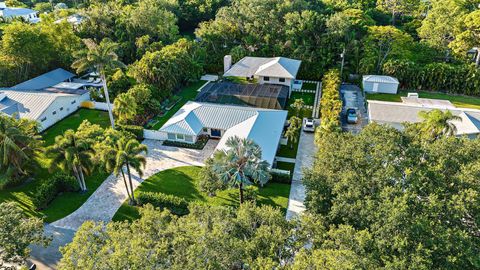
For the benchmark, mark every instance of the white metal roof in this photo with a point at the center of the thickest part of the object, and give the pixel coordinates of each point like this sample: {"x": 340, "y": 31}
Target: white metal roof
{"x": 271, "y": 67}
{"x": 45, "y": 80}
{"x": 32, "y": 104}
{"x": 263, "y": 126}
{"x": 396, "y": 113}
{"x": 69, "y": 85}
{"x": 380, "y": 79}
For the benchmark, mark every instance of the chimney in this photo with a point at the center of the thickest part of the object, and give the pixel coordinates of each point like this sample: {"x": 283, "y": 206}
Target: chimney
{"x": 227, "y": 63}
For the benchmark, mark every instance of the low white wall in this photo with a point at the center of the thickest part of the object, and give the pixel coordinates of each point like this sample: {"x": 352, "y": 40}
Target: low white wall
{"x": 101, "y": 106}
{"x": 154, "y": 135}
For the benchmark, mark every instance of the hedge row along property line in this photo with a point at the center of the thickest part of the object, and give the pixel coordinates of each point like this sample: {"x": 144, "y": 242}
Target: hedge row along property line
{"x": 440, "y": 77}
{"x": 331, "y": 103}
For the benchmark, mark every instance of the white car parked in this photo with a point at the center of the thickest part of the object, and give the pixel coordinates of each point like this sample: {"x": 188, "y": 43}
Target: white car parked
{"x": 308, "y": 125}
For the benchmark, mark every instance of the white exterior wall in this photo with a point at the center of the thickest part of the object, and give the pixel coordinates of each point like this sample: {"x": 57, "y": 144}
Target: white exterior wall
{"x": 68, "y": 108}
{"x": 275, "y": 80}
{"x": 379, "y": 87}
{"x": 154, "y": 135}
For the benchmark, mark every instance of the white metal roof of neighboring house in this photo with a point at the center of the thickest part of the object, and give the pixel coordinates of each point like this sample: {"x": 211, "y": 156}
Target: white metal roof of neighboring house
{"x": 263, "y": 126}
{"x": 396, "y": 113}
{"x": 16, "y": 11}
{"x": 380, "y": 79}
{"x": 31, "y": 104}
{"x": 69, "y": 85}
{"x": 261, "y": 66}
{"x": 45, "y": 80}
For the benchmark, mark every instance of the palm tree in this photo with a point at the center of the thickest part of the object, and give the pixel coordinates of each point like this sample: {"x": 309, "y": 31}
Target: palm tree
{"x": 129, "y": 154}
{"x": 292, "y": 132}
{"x": 125, "y": 107}
{"x": 101, "y": 57}
{"x": 106, "y": 153}
{"x": 240, "y": 164}
{"x": 19, "y": 143}
{"x": 438, "y": 123}
{"x": 72, "y": 154}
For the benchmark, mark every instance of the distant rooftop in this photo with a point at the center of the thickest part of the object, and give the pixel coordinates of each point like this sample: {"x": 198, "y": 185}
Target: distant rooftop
{"x": 380, "y": 79}
{"x": 280, "y": 67}
{"x": 45, "y": 80}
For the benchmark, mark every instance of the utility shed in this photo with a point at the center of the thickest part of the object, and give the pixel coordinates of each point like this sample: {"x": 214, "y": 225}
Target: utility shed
{"x": 380, "y": 84}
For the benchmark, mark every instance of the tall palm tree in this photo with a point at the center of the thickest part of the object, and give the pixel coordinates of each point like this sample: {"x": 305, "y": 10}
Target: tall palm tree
{"x": 438, "y": 123}
{"x": 72, "y": 154}
{"x": 129, "y": 154}
{"x": 19, "y": 143}
{"x": 125, "y": 108}
{"x": 106, "y": 154}
{"x": 100, "y": 57}
{"x": 241, "y": 164}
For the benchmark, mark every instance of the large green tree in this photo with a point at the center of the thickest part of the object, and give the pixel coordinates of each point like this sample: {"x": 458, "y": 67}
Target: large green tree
{"x": 416, "y": 198}
{"x": 17, "y": 233}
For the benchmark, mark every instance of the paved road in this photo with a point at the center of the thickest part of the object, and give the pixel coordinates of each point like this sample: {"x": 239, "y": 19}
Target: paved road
{"x": 107, "y": 199}
{"x": 305, "y": 157}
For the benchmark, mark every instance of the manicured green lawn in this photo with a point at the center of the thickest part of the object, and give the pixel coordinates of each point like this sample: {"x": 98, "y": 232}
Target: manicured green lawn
{"x": 457, "y": 100}
{"x": 68, "y": 202}
{"x": 73, "y": 121}
{"x": 288, "y": 166}
{"x": 183, "y": 182}
{"x": 187, "y": 93}
{"x": 308, "y": 98}
{"x": 309, "y": 86}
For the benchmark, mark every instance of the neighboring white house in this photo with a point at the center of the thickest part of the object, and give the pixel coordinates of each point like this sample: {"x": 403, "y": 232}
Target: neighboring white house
{"x": 263, "y": 126}
{"x": 380, "y": 84}
{"x": 75, "y": 19}
{"x": 397, "y": 113}
{"x": 275, "y": 70}
{"x": 27, "y": 14}
{"x": 47, "y": 98}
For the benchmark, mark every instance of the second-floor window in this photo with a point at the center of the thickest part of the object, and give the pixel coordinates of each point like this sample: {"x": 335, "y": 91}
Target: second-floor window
{"x": 281, "y": 79}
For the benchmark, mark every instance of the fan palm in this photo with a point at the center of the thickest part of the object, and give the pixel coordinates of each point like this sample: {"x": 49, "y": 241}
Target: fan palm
{"x": 438, "y": 123}
{"x": 129, "y": 154}
{"x": 241, "y": 164}
{"x": 125, "y": 108}
{"x": 72, "y": 154}
{"x": 19, "y": 142}
{"x": 100, "y": 57}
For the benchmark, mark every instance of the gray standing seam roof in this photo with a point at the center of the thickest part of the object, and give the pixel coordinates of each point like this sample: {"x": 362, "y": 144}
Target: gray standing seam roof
{"x": 45, "y": 80}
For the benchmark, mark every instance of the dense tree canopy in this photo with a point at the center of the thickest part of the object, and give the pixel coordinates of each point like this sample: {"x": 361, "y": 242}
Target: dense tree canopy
{"x": 415, "y": 200}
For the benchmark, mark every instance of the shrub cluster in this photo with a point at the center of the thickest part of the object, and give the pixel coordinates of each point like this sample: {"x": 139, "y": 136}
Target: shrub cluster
{"x": 135, "y": 130}
{"x": 331, "y": 103}
{"x": 49, "y": 190}
{"x": 281, "y": 178}
{"x": 450, "y": 78}
{"x": 174, "y": 204}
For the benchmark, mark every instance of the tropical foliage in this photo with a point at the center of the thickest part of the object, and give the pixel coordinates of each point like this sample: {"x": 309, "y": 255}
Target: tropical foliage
{"x": 331, "y": 104}
{"x": 241, "y": 164}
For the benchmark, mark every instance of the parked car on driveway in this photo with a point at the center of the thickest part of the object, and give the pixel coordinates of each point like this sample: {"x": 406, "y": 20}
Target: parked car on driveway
{"x": 352, "y": 117}
{"x": 308, "y": 125}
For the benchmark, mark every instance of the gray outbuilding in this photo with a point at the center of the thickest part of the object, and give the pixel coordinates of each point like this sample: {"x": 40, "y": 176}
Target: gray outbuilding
{"x": 380, "y": 84}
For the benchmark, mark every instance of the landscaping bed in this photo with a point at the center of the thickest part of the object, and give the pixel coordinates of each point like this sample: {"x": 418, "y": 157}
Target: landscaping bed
{"x": 308, "y": 98}
{"x": 309, "y": 86}
{"x": 199, "y": 145}
{"x": 183, "y": 182}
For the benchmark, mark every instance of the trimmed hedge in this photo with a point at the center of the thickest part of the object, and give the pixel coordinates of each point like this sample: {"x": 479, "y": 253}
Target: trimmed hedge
{"x": 49, "y": 190}
{"x": 440, "y": 77}
{"x": 331, "y": 103}
{"x": 135, "y": 130}
{"x": 199, "y": 145}
{"x": 176, "y": 205}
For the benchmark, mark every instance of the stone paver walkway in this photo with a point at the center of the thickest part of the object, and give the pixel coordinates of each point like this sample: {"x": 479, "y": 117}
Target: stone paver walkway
{"x": 107, "y": 199}
{"x": 305, "y": 157}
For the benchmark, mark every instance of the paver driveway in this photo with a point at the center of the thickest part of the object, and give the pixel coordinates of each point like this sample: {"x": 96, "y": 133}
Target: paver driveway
{"x": 107, "y": 199}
